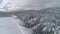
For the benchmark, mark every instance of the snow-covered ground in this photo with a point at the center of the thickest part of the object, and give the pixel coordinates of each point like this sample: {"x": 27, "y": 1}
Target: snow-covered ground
{"x": 8, "y": 25}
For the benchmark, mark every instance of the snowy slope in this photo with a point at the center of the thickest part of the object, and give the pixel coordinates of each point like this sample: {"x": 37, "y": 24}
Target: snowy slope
{"x": 49, "y": 15}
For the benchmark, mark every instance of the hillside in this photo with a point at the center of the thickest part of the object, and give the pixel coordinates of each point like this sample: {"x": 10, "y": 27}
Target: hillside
{"x": 50, "y": 18}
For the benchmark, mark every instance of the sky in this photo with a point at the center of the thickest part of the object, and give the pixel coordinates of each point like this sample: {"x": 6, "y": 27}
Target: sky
{"x": 36, "y": 4}
{"x": 29, "y": 4}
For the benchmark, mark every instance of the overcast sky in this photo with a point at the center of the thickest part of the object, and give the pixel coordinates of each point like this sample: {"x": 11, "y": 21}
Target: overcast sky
{"x": 36, "y": 4}
{"x": 32, "y": 4}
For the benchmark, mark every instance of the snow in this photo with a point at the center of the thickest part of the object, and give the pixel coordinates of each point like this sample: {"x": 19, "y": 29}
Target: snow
{"x": 9, "y": 25}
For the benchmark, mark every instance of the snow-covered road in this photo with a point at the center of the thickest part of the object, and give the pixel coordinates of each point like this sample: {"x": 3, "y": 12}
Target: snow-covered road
{"x": 7, "y": 26}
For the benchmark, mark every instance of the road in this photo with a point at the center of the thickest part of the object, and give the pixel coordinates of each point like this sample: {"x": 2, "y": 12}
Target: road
{"x": 8, "y": 25}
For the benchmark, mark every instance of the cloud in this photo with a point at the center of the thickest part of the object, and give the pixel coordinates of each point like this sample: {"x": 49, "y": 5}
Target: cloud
{"x": 32, "y": 4}
{"x": 36, "y": 4}
{"x": 18, "y": 4}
